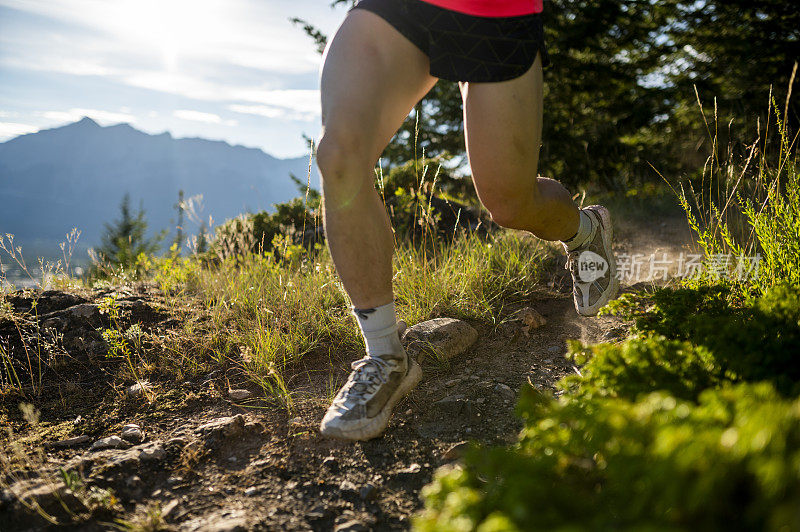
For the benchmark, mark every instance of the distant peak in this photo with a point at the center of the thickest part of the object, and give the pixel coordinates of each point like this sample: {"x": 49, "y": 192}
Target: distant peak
{"x": 86, "y": 121}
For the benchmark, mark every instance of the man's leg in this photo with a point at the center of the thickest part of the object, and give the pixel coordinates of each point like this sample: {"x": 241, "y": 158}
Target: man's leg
{"x": 371, "y": 79}
{"x": 503, "y": 129}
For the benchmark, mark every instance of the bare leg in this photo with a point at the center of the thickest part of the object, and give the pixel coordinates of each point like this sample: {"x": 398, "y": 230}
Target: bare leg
{"x": 371, "y": 79}
{"x": 503, "y": 131}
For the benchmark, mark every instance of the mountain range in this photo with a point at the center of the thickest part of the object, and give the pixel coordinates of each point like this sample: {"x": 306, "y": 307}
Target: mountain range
{"x": 77, "y": 174}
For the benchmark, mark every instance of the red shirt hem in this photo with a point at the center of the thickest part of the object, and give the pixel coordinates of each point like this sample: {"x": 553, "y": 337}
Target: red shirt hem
{"x": 491, "y": 8}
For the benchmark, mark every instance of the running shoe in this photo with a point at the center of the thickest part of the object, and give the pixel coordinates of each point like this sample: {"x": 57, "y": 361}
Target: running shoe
{"x": 362, "y": 408}
{"x": 593, "y": 268}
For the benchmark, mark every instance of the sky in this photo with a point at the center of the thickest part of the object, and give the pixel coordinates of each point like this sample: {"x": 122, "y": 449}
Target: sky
{"x": 233, "y": 70}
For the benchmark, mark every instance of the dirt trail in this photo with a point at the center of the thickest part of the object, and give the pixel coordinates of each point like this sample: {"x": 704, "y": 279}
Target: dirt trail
{"x": 266, "y": 469}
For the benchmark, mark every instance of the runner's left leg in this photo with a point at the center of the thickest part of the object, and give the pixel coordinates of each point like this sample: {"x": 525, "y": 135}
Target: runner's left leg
{"x": 503, "y": 131}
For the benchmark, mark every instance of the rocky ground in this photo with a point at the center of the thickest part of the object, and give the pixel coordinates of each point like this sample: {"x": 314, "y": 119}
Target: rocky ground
{"x": 209, "y": 453}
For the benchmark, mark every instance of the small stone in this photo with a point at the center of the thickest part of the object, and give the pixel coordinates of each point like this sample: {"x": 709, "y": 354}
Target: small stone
{"x": 178, "y": 441}
{"x": 252, "y": 490}
{"x": 368, "y": 491}
{"x": 456, "y": 451}
{"x": 139, "y": 389}
{"x": 240, "y": 395}
{"x": 224, "y": 427}
{"x": 453, "y": 406}
{"x": 153, "y": 453}
{"x": 530, "y": 319}
{"x": 174, "y": 480}
{"x": 71, "y": 442}
{"x": 170, "y": 507}
{"x": 232, "y": 459}
{"x": 112, "y": 442}
{"x": 77, "y": 421}
{"x": 331, "y": 463}
{"x": 351, "y": 526}
{"x": 504, "y": 391}
{"x": 554, "y": 349}
{"x": 441, "y": 338}
{"x": 86, "y": 311}
{"x": 132, "y": 433}
{"x": 413, "y": 468}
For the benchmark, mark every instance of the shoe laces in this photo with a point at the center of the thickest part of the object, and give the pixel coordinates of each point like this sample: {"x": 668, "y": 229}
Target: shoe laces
{"x": 369, "y": 372}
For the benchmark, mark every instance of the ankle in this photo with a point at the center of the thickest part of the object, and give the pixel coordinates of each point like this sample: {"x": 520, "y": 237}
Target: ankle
{"x": 379, "y": 329}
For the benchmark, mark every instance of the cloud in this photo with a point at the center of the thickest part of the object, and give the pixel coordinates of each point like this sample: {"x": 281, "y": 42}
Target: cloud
{"x": 12, "y": 129}
{"x": 199, "y": 116}
{"x": 75, "y": 114}
{"x": 301, "y": 104}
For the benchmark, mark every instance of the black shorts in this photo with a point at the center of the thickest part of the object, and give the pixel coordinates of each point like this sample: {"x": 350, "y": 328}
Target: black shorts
{"x": 464, "y": 47}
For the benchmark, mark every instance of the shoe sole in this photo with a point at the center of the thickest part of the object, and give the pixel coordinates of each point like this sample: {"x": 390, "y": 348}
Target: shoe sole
{"x": 377, "y": 424}
{"x": 613, "y": 286}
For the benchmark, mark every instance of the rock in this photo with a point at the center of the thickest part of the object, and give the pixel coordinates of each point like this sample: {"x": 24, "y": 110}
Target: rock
{"x": 352, "y": 525}
{"x": 368, "y": 491}
{"x": 348, "y": 490}
{"x": 252, "y": 490}
{"x": 70, "y": 442}
{"x": 409, "y": 473}
{"x": 554, "y": 348}
{"x": 153, "y": 453}
{"x": 132, "y": 433}
{"x": 112, "y": 442}
{"x": 331, "y": 463}
{"x": 456, "y": 451}
{"x": 453, "y": 406}
{"x": 52, "y": 497}
{"x": 441, "y": 338}
{"x": 87, "y": 311}
{"x": 222, "y": 428}
{"x": 178, "y": 441}
{"x": 504, "y": 391}
{"x": 222, "y": 523}
{"x": 169, "y": 508}
{"x": 240, "y": 395}
{"x": 139, "y": 389}
{"x": 530, "y": 319}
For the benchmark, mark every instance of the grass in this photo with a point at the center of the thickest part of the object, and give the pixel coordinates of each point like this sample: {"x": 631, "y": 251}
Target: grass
{"x": 750, "y": 207}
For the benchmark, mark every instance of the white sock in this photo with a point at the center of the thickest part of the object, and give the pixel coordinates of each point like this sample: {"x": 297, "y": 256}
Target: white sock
{"x": 583, "y": 234}
{"x": 379, "y": 328}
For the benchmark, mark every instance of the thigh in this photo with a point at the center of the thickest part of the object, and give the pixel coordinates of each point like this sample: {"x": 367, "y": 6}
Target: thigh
{"x": 503, "y": 131}
{"x": 371, "y": 78}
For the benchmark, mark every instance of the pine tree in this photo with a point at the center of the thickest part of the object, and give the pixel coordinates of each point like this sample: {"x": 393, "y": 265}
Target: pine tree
{"x": 125, "y": 238}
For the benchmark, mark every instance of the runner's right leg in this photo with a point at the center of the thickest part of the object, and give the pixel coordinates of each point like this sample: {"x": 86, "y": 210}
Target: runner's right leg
{"x": 371, "y": 79}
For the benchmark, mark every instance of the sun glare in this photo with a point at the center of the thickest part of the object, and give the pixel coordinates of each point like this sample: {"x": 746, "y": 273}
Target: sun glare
{"x": 174, "y": 28}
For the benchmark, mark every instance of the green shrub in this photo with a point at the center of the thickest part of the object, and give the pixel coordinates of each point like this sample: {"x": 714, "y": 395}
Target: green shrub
{"x": 730, "y": 461}
{"x": 757, "y": 341}
{"x": 642, "y": 365}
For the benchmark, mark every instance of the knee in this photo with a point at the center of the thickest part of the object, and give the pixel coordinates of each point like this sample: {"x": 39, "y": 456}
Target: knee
{"x": 343, "y": 167}
{"x": 340, "y": 158}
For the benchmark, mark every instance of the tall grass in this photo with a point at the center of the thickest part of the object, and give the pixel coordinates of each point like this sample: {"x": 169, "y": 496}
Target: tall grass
{"x": 747, "y": 212}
